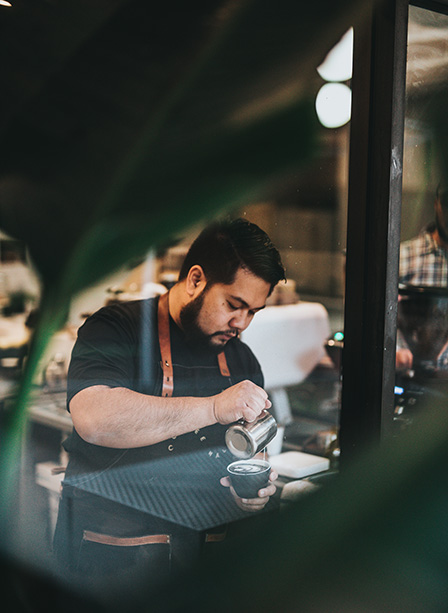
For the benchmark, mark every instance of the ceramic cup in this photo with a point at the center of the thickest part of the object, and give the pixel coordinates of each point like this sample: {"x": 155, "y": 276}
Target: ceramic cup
{"x": 249, "y": 476}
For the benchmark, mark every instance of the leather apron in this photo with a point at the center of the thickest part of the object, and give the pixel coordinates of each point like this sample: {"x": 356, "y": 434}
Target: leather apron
{"x": 90, "y": 537}
{"x": 163, "y": 323}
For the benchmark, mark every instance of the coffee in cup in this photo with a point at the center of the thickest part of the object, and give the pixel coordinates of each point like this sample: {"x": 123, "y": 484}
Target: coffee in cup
{"x": 249, "y": 476}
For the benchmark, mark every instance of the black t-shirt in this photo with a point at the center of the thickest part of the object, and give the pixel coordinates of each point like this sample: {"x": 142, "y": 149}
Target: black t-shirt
{"x": 118, "y": 346}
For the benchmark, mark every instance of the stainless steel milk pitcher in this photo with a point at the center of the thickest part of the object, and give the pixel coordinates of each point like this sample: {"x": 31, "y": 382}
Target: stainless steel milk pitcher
{"x": 246, "y": 439}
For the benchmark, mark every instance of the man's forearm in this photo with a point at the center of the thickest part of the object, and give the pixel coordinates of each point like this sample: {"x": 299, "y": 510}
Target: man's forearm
{"x": 121, "y": 418}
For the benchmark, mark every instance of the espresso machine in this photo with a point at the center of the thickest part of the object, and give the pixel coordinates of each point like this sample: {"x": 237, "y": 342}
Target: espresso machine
{"x": 423, "y": 323}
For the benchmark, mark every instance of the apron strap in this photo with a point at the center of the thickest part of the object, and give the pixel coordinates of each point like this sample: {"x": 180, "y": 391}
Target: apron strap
{"x": 126, "y": 541}
{"x": 163, "y": 322}
{"x": 223, "y": 367}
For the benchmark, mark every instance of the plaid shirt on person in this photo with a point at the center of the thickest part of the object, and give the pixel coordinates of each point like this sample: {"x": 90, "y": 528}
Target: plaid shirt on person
{"x": 424, "y": 263}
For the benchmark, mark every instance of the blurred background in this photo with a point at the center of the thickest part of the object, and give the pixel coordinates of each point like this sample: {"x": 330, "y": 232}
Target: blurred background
{"x": 303, "y": 206}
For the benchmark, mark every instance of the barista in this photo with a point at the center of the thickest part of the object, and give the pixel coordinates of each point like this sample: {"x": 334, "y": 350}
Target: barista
{"x": 126, "y": 409}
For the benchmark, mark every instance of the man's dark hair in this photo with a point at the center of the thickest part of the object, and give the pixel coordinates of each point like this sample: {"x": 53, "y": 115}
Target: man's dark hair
{"x": 225, "y": 246}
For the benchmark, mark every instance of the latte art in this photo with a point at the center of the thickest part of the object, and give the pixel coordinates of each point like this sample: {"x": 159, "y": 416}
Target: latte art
{"x": 248, "y": 468}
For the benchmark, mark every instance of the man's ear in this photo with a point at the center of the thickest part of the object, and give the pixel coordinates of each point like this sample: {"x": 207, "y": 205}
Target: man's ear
{"x": 195, "y": 281}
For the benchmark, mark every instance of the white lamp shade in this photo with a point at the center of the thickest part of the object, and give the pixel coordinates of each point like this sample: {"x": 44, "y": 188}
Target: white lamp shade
{"x": 334, "y": 105}
{"x": 338, "y": 65}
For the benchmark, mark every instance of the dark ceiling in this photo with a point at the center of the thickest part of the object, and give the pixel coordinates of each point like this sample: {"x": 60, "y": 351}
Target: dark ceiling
{"x": 120, "y": 118}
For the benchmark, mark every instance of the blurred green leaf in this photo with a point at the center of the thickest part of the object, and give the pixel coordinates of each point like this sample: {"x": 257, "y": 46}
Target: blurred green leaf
{"x": 373, "y": 540}
{"x": 125, "y": 122}
{"x": 153, "y": 114}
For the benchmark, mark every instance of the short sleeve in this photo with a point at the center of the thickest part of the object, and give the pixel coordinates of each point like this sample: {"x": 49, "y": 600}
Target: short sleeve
{"x": 105, "y": 353}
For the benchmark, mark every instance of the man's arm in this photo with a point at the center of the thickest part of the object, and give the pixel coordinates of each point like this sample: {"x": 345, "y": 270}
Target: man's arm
{"x": 121, "y": 418}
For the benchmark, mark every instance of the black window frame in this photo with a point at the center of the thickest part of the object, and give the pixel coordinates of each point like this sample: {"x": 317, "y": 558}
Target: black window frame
{"x": 374, "y": 224}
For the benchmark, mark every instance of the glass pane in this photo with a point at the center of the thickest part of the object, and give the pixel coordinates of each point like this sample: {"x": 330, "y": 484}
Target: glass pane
{"x": 301, "y": 346}
{"x": 111, "y": 509}
{"x": 422, "y": 356}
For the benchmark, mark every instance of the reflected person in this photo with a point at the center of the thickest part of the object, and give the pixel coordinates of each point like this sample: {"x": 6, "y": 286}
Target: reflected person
{"x": 424, "y": 263}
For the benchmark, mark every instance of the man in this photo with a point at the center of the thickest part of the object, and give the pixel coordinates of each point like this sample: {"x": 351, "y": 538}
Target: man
{"x": 154, "y": 381}
{"x": 424, "y": 262}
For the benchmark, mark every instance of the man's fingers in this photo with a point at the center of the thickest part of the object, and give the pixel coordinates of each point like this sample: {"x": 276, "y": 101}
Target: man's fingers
{"x": 252, "y": 504}
{"x": 255, "y": 406}
{"x": 245, "y": 400}
{"x": 267, "y": 491}
{"x": 273, "y": 476}
{"x": 250, "y": 415}
{"x": 225, "y": 481}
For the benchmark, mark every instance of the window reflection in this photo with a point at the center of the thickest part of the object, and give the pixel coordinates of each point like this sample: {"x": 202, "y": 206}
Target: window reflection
{"x": 301, "y": 356}
{"x": 422, "y": 356}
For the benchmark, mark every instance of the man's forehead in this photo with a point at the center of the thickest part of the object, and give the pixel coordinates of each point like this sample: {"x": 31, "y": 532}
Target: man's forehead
{"x": 248, "y": 289}
{"x": 242, "y": 302}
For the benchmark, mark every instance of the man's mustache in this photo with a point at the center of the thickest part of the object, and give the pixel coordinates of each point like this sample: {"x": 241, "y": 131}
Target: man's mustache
{"x": 232, "y": 332}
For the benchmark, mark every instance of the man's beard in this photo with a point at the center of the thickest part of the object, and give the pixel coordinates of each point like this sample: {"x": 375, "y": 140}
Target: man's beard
{"x": 189, "y": 317}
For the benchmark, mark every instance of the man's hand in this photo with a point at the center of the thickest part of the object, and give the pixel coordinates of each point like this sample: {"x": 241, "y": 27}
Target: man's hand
{"x": 403, "y": 359}
{"x": 244, "y": 400}
{"x": 253, "y": 504}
